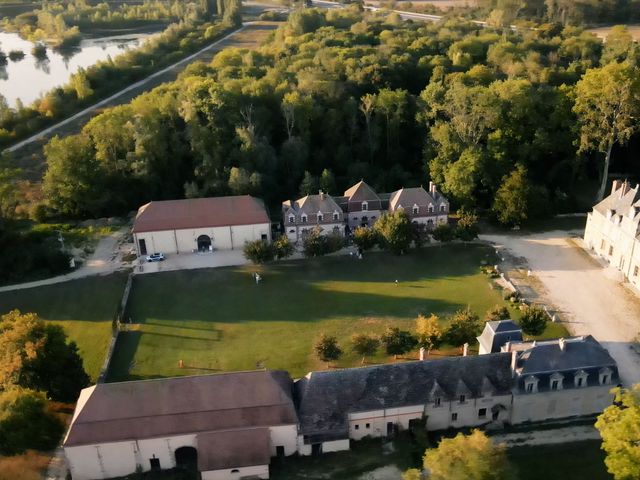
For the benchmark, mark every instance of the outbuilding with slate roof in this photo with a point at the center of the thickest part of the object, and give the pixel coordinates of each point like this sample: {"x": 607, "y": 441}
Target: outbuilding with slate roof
{"x": 496, "y": 334}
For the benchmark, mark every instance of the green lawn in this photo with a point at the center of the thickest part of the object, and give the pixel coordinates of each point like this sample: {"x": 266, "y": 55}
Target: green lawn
{"x": 219, "y": 320}
{"x": 85, "y": 308}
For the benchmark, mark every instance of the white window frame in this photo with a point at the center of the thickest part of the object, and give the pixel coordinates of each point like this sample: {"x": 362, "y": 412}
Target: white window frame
{"x": 292, "y": 219}
{"x": 431, "y": 210}
{"x": 365, "y": 206}
{"x": 581, "y": 379}
{"x": 320, "y": 217}
{"x": 415, "y": 209}
{"x": 303, "y": 218}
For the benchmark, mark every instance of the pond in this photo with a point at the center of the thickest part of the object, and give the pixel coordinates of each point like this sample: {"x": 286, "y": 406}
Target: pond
{"x": 29, "y": 77}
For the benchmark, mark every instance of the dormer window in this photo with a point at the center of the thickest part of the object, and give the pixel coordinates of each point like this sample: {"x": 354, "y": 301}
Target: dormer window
{"x": 365, "y": 206}
{"x": 416, "y": 209}
{"x": 437, "y": 402}
{"x": 292, "y": 219}
{"x": 555, "y": 382}
{"x": 610, "y": 213}
{"x": 336, "y": 216}
{"x": 462, "y": 398}
{"x": 320, "y": 217}
{"x": 430, "y": 208}
{"x": 531, "y": 384}
{"x": 581, "y": 379}
{"x": 304, "y": 219}
{"x": 605, "y": 376}
{"x": 443, "y": 208}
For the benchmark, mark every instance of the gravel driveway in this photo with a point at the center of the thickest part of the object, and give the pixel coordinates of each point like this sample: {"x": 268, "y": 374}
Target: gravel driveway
{"x": 590, "y": 299}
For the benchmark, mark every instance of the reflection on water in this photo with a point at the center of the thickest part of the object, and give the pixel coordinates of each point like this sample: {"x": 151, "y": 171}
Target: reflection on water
{"x": 28, "y": 78}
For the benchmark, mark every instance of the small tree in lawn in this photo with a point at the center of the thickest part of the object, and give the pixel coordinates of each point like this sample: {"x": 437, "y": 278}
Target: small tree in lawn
{"x": 464, "y": 328}
{"x": 258, "y": 251}
{"x": 394, "y": 231}
{"x": 365, "y": 238}
{"x": 443, "y": 233}
{"x": 420, "y": 234}
{"x": 397, "y": 342}
{"x": 428, "y": 332}
{"x": 313, "y": 244}
{"x": 364, "y": 345}
{"x": 467, "y": 227}
{"x": 283, "y": 248}
{"x": 534, "y": 320}
{"x": 498, "y": 312}
{"x": 327, "y": 349}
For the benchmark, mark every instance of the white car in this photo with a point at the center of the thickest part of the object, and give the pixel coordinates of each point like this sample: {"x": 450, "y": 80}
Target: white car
{"x": 155, "y": 257}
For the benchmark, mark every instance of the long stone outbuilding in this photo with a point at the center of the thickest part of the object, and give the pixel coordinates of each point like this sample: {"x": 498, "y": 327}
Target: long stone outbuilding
{"x": 228, "y": 426}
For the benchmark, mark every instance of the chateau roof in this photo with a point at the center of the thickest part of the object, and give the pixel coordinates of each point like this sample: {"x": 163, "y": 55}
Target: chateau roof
{"x": 361, "y": 192}
{"x": 497, "y": 333}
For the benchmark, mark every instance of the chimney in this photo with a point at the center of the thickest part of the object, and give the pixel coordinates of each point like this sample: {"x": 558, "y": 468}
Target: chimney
{"x": 562, "y": 344}
{"x": 506, "y": 347}
{"x": 423, "y": 353}
{"x": 432, "y": 188}
{"x": 465, "y": 350}
{"x": 615, "y": 185}
{"x": 514, "y": 362}
{"x": 321, "y": 193}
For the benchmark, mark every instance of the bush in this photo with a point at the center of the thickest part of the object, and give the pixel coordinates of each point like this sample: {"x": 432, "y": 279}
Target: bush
{"x": 394, "y": 231}
{"x": 467, "y": 227}
{"x": 327, "y": 348}
{"x": 283, "y": 248}
{"x": 365, "y": 238}
{"x": 443, "y": 233}
{"x": 534, "y": 320}
{"x": 398, "y": 342}
{"x": 27, "y": 423}
{"x": 499, "y": 312}
{"x": 316, "y": 244}
{"x": 258, "y": 251}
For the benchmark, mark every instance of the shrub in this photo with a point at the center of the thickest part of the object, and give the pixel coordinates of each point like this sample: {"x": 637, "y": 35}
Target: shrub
{"x": 258, "y": 251}
{"x": 467, "y": 227}
{"x": 283, "y": 248}
{"x": 397, "y": 342}
{"x": 534, "y": 320}
{"x": 394, "y": 231}
{"x": 316, "y": 244}
{"x": 464, "y": 328}
{"x": 364, "y": 345}
{"x": 499, "y": 312}
{"x": 327, "y": 348}
{"x": 443, "y": 233}
{"x": 365, "y": 238}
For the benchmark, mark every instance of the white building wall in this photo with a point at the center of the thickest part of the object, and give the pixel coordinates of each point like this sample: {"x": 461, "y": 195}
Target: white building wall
{"x": 285, "y": 436}
{"x": 354, "y": 219}
{"x": 297, "y": 232}
{"x": 537, "y": 407}
{"x": 186, "y": 240}
{"x": 378, "y": 419}
{"x": 259, "y": 471}
{"x": 118, "y": 459}
{"x": 335, "y": 446}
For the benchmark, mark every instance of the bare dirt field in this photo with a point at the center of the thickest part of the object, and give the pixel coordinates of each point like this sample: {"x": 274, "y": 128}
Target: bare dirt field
{"x": 590, "y": 300}
{"x": 602, "y": 32}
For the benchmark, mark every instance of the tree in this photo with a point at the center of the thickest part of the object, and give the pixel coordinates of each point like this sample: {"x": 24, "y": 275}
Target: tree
{"x": 472, "y": 457}
{"x": 283, "y": 248}
{"x": 428, "y": 332}
{"x": 309, "y": 185}
{"x": 327, "y": 348}
{"x": 36, "y": 355}
{"x": 258, "y": 251}
{"x": 364, "y": 345}
{"x": 397, "y": 342}
{"x": 607, "y": 103}
{"x": 467, "y": 227}
{"x": 618, "y": 426}
{"x": 239, "y": 181}
{"x": 443, "y": 233}
{"x": 314, "y": 243}
{"x": 26, "y": 422}
{"x": 365, "y": 238}
{"x": 534, "y": 320}
{"x": 511, "y": 201}
{"x": 464, "y": 328}
{"x": 394, "y": 231}
{"x": 327, "y": 182}
{"x": 498, "y": 312}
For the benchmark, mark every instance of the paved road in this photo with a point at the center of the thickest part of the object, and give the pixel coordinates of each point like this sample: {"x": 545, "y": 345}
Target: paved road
{"x": 591, "y": 300}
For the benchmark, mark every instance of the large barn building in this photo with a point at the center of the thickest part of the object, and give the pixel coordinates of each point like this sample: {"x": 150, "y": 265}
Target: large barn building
{"x": 200, "y": 224}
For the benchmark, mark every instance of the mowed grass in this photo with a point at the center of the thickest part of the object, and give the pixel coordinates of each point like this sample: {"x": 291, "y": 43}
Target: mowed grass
{"x": 220, "y": 320}
{"x": 85, "y": 309}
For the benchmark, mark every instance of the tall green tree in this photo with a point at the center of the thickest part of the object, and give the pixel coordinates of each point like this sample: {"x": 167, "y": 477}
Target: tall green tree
{"x": 464, "y": 328}
{"x": 607, "y": 104}
{"x": 511, "y": 204}
{"x": 364, "y": 345}
{"x": 397, "y": 342}
{"x": 327, "y": 348}
{"x": 394, "y": 231}
{"x": 619, "y": 426}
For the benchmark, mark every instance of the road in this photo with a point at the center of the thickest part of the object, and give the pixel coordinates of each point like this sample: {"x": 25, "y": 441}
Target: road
{"x": 591, "y": 300}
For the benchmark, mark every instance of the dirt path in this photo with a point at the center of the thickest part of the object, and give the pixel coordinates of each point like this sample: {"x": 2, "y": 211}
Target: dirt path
{"x": 589, "y": 300}
{"x": 103, "y": 261}
{"x": 28, "y": 153}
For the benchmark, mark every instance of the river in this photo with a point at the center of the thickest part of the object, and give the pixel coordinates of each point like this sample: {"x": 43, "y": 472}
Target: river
{"x": 28, "y": 78}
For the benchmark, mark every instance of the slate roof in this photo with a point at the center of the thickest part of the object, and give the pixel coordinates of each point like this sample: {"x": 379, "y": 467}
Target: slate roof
{"x": 325, "y": 398}
{"x": 172, "y": 406}
{"x": 580, "y": 354}
{"x": 361, "y": 192}
{"x": 200, "y": 213}
{"x": 233, "y": 449}
{"x": 497, "y": 333}
{"x": 620, "y": 200}
{"x": 407, "y": 197}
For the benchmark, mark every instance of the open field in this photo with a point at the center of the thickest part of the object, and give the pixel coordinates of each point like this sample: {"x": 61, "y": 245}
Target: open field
{"x": 602, "y": 32}
{"x": 219, "y": 320}
{"x": 85, "y": 308}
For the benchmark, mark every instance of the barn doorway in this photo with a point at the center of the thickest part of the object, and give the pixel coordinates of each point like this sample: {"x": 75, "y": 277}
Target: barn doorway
{"x": 204, "y": 243}
{"x": 187, "y": 458}
{"x": 143, "y": 246}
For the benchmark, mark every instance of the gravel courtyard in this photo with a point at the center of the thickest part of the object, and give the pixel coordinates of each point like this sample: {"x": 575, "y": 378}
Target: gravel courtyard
{"x": 590, "y": 298}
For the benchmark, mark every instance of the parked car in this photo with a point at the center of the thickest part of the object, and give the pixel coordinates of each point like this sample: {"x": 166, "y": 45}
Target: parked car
{"x": 155, "y": 257}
